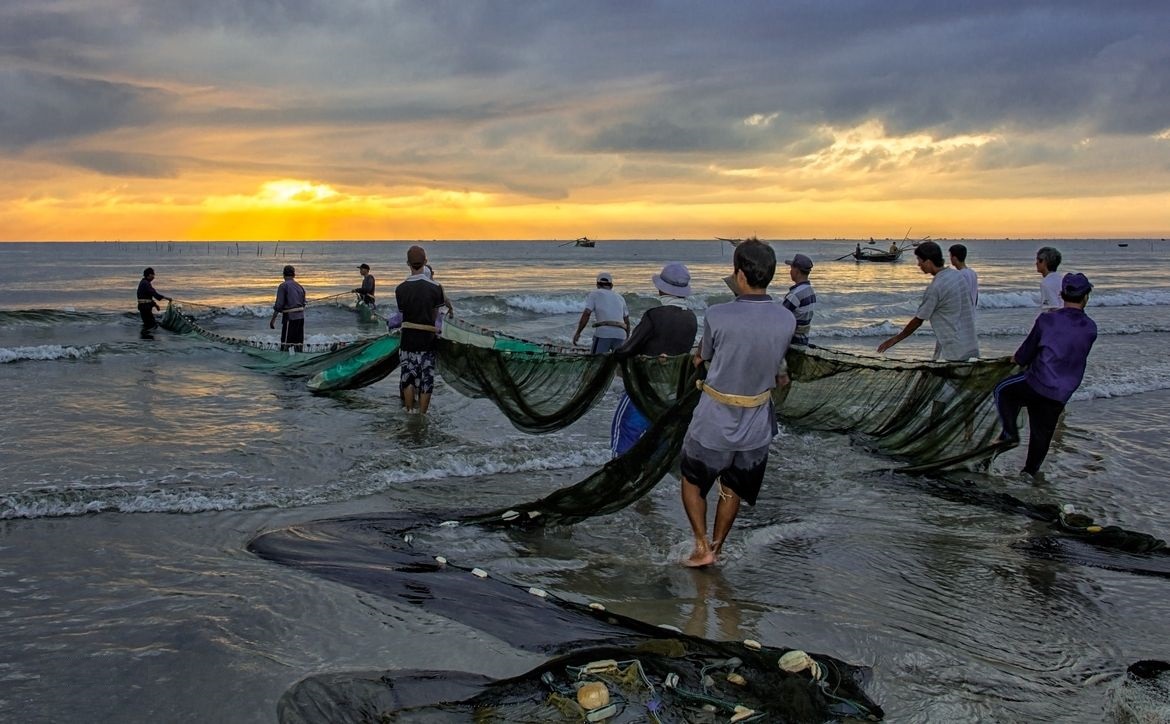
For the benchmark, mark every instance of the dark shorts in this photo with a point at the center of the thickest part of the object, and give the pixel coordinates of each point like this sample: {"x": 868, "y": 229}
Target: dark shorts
{"x": 417, "y": 370}
{"x": 146, "y": 311}
{"x": 292, "y": 331}
{"x": 741, "y": 471}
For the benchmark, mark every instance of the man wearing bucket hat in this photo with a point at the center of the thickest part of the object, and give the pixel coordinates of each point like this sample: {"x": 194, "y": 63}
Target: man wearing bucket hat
{"x": 665, "y": 330}
{"x": 613, "y": 317}
{"x": 1054, "y": 355}
{"x": 801, "y": 298}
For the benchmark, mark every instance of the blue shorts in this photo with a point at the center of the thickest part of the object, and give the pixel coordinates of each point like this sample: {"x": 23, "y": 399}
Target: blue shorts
{"x": 742, "y": 471}
{"x": 601, "y": 345}
{"x": 417, "y": 371}
{"x": 628, "y": 426}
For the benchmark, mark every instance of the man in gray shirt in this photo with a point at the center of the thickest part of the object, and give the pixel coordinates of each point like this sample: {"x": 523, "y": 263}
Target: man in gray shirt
{"x": 727, "y": 441}
{"x": 946, "y": 303}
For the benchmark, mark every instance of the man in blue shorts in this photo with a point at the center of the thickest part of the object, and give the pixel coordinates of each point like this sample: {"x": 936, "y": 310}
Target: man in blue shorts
{"x": 727, "y": 442}
{"x": 665, "y": 330}
{"x": 1055, "y": 354}
{"x": 417, "y": 299}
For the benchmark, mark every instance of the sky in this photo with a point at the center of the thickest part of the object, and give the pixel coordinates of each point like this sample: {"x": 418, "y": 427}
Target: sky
{"x": 613, "y": 119}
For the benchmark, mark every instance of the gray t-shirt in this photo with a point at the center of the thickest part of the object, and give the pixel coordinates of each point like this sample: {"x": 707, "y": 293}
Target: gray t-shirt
{"x": 746, "y": 341}
{"x": 606, "y": 305}
{"x": 946, "y": 304}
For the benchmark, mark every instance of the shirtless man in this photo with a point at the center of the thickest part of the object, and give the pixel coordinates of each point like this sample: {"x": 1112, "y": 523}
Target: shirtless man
{"x": 745, "y": 341}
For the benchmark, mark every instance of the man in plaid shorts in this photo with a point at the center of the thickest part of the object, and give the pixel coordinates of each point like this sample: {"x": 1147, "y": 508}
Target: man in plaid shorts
{"x": 417, "y": 298}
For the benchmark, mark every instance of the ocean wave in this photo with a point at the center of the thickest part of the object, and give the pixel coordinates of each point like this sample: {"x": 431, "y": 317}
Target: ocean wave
{"x": 1124, "y": 383}
{"x": 45, "y": 352}
{"x": 50, "y": 317}
{"x": 545, "y": 304}
{"x": 150, "y": 497}
{"x": 1025, "y": 300}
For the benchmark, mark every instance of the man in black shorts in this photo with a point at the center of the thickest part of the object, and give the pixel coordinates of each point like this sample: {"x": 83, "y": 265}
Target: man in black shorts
{"x": 745, "y": 341}
{"x": 417, "y": 299}
{"x": 290, "y": 305}
{"x": 148, "y": 300}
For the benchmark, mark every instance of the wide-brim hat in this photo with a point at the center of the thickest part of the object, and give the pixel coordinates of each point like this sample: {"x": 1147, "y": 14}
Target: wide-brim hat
{"x": 674, "y": 279}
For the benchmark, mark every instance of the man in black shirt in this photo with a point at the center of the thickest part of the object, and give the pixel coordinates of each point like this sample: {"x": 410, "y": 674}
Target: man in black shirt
{"x": 666, "y": 331}
{"x": 148, "y": 300}
{"x": 417, "y": 299}
{"x": 366, "y": 290}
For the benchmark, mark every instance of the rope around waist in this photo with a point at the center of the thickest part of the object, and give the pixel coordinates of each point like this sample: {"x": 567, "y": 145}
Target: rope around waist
{"x": 146, "y": 301}
{"x": 610, "y": 323}
{"x": 735, "y": 400}
{"x": 421, "y": 327}
{"x": 294, "y": 309}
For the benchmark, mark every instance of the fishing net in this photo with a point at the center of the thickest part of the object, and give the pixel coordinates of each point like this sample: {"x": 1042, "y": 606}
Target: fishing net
{"x": 1143, "y": 696}
{"x": 539, "y": 388}
{"x": 650, "y": 672}
{"x": 665, "y": 680}
{"x": 918, "y": 411}
{"x": 328, "y": 367}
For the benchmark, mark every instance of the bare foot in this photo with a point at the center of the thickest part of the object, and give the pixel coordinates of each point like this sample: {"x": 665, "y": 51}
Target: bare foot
{"x": 700, "y": 558}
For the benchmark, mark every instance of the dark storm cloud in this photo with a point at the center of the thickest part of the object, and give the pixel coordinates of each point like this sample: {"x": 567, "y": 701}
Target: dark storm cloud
{"x": 40, "y": 107}
{"x": 113, "y": 163}
{"x": 655, "y": 78}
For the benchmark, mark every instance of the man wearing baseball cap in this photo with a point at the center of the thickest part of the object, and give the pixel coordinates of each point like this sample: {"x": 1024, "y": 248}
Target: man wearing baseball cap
{"x": 366, "y": 291}
{"x": 613, "y": 317}
{"x": 801, "y": 298}
{"x": 1054, "y": 355}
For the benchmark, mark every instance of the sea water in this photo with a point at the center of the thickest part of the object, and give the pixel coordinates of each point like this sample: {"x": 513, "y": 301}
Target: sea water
{"x": 133, "y": 473}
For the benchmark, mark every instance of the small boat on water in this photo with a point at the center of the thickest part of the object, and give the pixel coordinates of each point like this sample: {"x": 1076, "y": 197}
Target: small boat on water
{"x": 585, "y": 241}
{"x": 1123, "y": 244}
{"x": 871, "y": 254}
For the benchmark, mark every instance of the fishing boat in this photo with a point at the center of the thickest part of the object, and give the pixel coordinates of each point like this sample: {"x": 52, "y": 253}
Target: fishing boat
{"x": 872, "y": 254}
{"x": 585, "y": 241}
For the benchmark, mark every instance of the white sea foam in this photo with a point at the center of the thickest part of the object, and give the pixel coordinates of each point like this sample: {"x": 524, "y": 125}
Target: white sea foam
{"x": 1123, "y": 383}
{"x": 543, "y": 304}
{"x": 45, "y": 352}
{"x": 151, "y": 497}
{"x": 1025, "y": 300}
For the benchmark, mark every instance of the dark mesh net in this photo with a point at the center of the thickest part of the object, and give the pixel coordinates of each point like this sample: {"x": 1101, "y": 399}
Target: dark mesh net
{"x": 919, "y": 411}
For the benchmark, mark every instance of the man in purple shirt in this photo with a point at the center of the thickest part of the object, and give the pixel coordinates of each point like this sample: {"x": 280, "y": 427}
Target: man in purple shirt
{"x": 1054, "y": 354}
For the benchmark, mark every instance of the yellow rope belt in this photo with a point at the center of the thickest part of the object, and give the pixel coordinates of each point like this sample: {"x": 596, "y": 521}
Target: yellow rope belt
{"x": 421, "y": 327}
{"x": 735, "y": 400}
{"x": 610, "y": 323}
{"x": 292, "y": 309}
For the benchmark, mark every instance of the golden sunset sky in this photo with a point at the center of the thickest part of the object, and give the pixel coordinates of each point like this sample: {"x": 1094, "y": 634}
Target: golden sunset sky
{"x": 299, "y": 119}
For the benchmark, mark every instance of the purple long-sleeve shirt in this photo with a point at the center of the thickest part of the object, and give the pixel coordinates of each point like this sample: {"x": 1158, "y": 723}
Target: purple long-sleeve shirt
{"x": 1056, "y": 350}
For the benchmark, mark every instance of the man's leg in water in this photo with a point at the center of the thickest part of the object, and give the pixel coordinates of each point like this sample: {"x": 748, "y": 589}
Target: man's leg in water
{"x": 696, "y": 507}
{"x": 725, "y": 513}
